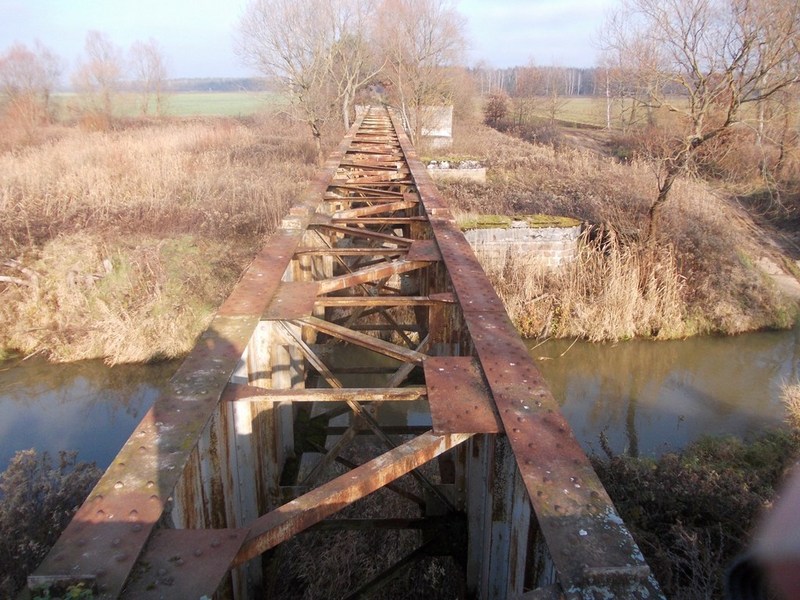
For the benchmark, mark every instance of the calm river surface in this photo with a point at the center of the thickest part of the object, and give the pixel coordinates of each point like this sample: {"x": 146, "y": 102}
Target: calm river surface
{"x": 83, "y": 406}
{"x": 653, "y": 397}
{"x": 647, "y": 397}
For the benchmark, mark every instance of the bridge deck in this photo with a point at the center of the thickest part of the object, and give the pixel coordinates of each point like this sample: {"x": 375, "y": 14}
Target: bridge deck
{"x": 370, "y": 263}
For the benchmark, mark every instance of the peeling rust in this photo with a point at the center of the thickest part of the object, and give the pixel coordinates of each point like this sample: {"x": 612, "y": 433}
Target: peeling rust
{"x": 370, "y": 240}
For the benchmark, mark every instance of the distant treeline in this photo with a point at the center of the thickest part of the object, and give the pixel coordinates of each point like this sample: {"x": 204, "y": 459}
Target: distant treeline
{"x": 568, "y": 81}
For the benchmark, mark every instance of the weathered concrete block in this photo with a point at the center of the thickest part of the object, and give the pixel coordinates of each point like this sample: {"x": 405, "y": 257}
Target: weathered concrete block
{"x": 553, "y": 240}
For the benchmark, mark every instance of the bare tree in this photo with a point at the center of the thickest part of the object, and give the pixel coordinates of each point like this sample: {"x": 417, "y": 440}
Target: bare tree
{"x": 527, "y": 89}
{"x": 27, "y": 79}
{"x": 352, "y": 61}
{"x": 420, "y": 39}
{"x": 99, "y": 75}
{"x": 703, "y": 61}
{"x": 150, "y": 69}
{"x": 315, "y": 48}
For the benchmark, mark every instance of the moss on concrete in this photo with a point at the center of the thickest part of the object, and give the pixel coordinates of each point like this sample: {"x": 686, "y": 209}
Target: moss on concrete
{"x": 504, "y": 222}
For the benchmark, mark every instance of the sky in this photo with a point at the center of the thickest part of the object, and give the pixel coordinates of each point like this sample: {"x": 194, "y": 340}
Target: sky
{"x": 197, "y": 35}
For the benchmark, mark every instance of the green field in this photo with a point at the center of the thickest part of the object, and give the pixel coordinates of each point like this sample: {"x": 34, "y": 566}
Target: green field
{"x": 184, "y": 104}
{"x": 225, "y": 104}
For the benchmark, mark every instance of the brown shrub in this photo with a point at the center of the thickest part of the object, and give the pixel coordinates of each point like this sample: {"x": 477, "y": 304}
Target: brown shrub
{"x": 790, "y": 395}
{"x": 38, "y": 501}
{"x": 693, "y": 513}
{"x": 610, "y": 292}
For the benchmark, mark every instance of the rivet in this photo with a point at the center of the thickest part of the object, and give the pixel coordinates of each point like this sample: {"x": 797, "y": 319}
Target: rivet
{"x": 119, "y": 485}
{"x": 59, "y": 558}
{"x": 215, "y": 543}
{"x": 154, "y": 498}
{"x": 198, "y": 552}
{"x": 161, "y": 572}
{"x": 133, "y": 514}
{"x": 116, "y": 542}
{"x": 136, "y": 528}
{"x": 121, "y": 557}
{"x": 151, "y": 484}
{"x": 101, "y": 512}
{"x": 142, "y": 448}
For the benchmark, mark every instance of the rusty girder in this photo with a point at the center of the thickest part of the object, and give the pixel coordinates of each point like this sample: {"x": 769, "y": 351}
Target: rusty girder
{"x": 369, "y": 258}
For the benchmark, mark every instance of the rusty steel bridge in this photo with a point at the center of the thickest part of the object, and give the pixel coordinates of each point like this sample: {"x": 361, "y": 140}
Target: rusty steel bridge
{"x": 367, "y": 298}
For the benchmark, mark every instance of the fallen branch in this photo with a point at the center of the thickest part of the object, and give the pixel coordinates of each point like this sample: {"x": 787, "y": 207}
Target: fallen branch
{"x": 17, "y": 281}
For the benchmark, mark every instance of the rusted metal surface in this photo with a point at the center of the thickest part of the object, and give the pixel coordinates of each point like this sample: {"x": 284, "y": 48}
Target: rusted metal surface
{"x": 293, "y": 300}
{"x": 105, "y": 538}
{"x": 405, "y": 394}
{"x": 589, "y": 543}
{"x": 367, "y": 341}
{"x": 369, "y": 258}
{"x": 424, "y": 250}
{"x": 184, "y": 563}
{"x": 297, "y": 515}
{"x": 459, "y": 398}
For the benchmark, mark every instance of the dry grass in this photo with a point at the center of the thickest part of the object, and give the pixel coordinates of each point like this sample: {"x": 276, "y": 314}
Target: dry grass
{"x": 790, "y": 395}
{"x": 702, "y": 277}
{"x": 609, "y": 292}
{"x": 122, "y": 243}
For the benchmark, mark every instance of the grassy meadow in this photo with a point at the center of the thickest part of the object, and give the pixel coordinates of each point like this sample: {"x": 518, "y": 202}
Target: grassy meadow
{"x": 181, "y": 104}
{"x": 119, "y": 241}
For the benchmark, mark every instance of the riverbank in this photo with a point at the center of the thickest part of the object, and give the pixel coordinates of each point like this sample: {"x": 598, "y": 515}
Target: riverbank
{"x": 715, "y": 269}
{"x": 120, "y": 244}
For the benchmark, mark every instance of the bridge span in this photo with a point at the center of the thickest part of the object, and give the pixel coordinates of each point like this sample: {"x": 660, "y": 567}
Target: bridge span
{"x": 366, "y": 300}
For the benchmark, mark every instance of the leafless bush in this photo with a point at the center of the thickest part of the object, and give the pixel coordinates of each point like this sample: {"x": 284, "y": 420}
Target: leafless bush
{"x": 38, "y": 500}
{"x": 693, "y": 513}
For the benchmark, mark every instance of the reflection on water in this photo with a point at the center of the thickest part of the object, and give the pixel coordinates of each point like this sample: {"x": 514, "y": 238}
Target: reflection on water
{"x": 647, "y": 397}
{"x": 651, "y": 397}
{"x": 84, "y": 406}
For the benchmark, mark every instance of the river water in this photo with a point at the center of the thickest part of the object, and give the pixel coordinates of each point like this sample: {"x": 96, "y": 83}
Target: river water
{"x": 645, "y": 397}
{"x": 652, "y": 397}
{"x": 87, "y": 406}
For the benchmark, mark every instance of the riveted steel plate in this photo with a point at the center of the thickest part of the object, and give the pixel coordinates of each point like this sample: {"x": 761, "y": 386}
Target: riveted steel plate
{"x": 460, "y": 400}
{"x": 585, "y": 535}
{"x": 184, "y": 563}
{"x": 293, "y": 300}
{"x": 424, "y": 250}
{"x": 261, "y": 279}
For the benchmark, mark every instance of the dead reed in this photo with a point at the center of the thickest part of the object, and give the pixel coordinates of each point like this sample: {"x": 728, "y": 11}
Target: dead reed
{"x": 790, "y": 395}
{"x": 120, "y": 244}
{"x": 701, "y": 276}
{"x": 610, "y": 292}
